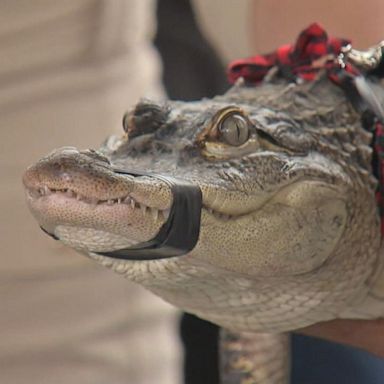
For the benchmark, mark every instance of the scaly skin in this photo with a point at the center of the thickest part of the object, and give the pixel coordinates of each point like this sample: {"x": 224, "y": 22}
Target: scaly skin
{"x": 289, "y": 228}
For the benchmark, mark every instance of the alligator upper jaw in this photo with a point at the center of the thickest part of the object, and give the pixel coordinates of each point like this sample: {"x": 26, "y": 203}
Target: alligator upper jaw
{"x": 89, "y": 177}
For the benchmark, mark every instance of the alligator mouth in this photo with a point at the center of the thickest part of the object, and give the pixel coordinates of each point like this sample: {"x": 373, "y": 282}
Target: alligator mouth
{"x": 177, "y": 235}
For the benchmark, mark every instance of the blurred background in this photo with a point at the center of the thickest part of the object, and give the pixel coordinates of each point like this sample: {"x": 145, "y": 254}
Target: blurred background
{"x": 68, "y": 72}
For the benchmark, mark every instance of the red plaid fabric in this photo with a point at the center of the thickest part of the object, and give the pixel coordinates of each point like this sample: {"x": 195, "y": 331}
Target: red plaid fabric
{"x": 314, "y": 51}
{"x": 303, "y": 59}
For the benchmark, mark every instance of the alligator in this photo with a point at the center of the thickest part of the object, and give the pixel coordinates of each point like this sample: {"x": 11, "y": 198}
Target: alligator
{"x": 255, "y": 210}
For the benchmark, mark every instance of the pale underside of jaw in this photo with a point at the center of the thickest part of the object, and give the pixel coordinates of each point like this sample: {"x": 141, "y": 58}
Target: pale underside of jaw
{"x": 91, "y": 240}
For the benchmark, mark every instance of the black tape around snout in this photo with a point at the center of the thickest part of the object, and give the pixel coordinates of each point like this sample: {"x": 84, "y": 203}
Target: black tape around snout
{"x": 179, "y": 234}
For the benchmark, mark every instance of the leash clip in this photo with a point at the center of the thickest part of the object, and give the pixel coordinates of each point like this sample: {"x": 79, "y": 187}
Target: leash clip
{"x": 368, "y": 60}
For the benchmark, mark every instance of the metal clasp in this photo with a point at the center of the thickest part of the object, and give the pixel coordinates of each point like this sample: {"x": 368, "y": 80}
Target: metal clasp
{"x": 367, "y": 60}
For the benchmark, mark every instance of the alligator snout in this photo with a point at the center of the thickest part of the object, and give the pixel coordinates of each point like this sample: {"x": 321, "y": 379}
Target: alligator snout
{"x": 71, "y": 191}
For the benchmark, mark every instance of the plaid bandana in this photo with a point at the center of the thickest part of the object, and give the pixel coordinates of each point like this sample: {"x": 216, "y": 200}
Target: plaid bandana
{"x": 313, "y": 51}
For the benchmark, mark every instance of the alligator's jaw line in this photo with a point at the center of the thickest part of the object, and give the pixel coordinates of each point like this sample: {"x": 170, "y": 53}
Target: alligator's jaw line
{"x": 72, "y": 195}
{"x": 44, "y": 191}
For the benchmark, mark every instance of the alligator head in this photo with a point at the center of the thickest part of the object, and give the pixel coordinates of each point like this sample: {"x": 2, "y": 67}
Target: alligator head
{"x": 288, "y": 231}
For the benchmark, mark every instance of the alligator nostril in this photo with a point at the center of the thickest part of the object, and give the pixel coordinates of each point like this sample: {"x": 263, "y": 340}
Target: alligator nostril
{"x": 145, "y": 118}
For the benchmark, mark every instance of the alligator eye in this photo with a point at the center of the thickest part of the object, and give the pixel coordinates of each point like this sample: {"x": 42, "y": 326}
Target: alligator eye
{"x": 234, "y": 129}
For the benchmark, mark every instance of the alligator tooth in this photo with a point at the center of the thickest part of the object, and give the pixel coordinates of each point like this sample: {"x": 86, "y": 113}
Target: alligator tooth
{"x": 69, "y": 193}
{"x": 41, "y": 191}
{"x": 119, "y": 200}
{"x": 110, "y": 202}
{"x": 166, "y": 213}
{"x": 47, "y": 191}
{"x": 127, "y": 200}
{"x": 78, "y": 197}
{"x": 143, "y": 209}
{"x": 133, "y": 204}
{"x": 155, "y": 214}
